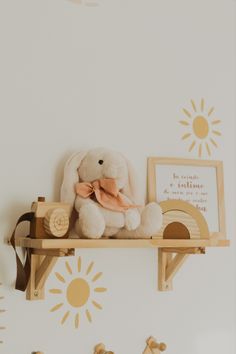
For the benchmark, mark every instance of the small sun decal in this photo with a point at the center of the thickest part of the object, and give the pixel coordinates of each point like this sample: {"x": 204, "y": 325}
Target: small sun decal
{"x": 79, "y": 289}
{"x": 1, "y": 312}
{"x": 201, "y": 128}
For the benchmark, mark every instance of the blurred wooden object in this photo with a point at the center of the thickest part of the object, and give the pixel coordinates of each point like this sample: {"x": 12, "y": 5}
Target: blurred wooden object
{"x": 100, "y": 349}
{"x": 153, "y": 347}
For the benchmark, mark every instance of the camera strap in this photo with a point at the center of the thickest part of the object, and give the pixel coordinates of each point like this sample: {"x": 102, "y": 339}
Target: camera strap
{"x": 23, "y": 268}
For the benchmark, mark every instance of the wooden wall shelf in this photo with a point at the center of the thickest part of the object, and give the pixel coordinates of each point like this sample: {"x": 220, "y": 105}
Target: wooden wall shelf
{"x": 172, "y": 254}
{"x": 117, "y": 243}
{"x": 184, "y": 232}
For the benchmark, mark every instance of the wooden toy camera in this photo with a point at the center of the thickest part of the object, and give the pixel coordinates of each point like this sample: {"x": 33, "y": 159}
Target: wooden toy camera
{"x": 51, "y": 220}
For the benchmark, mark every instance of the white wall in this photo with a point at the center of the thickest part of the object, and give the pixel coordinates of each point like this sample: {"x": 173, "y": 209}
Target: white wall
{"x": 116, "y": 75}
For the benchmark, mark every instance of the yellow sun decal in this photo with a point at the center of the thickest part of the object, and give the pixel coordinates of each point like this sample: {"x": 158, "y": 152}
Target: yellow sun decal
{"x": 1, "y": 312}
{"x": 201, "y": 128}
{"x": 79, "y": 289}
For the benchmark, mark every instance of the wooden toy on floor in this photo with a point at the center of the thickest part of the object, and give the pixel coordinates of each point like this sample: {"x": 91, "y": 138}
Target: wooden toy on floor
{"x": 100, "y": 349}
{"x": 153, "y": 347}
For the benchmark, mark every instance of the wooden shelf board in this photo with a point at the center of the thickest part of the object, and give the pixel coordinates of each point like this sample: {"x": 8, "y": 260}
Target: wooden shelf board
{"x": 117, "y": 243}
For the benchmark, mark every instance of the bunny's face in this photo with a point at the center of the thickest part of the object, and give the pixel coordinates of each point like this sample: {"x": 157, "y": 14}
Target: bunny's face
{"x": 88, "y": 166}
{"x": 103, "y": 163}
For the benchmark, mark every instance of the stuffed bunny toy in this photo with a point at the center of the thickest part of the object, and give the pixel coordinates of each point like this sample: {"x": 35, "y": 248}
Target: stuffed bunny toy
{"x": 100, "y": 185}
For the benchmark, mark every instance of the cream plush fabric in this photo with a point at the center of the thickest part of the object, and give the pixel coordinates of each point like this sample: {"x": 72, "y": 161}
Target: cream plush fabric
{"x": 94, "y": 221}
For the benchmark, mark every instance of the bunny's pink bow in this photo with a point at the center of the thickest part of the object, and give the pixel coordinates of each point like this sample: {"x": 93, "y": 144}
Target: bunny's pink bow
{"x": 106, "y": 193}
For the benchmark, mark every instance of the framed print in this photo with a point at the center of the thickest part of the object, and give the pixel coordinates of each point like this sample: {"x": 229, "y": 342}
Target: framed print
{"x": 198, "y": 182}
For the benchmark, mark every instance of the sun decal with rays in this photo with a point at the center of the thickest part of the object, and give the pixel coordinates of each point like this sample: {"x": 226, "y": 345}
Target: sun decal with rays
{"x": 1, "y": 312}
{"x": 201, "y": 128}
{"x": 78, "y": 288}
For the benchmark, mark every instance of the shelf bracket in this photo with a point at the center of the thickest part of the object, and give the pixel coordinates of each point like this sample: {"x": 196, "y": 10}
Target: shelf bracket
{"x": 42, "y": 264}
{"x": 170, "y": 260}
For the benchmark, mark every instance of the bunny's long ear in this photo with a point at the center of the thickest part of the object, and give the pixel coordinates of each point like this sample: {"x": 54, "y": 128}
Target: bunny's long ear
{"x": 131, "y": 190}
{"x": 71, "y": 177}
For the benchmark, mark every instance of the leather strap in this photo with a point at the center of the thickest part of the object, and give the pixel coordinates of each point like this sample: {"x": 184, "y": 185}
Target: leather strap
{"x": 23, "y": 270}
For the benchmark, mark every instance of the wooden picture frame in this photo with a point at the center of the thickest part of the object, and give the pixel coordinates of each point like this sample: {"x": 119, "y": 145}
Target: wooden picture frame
{"x": 199, "y": 182}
